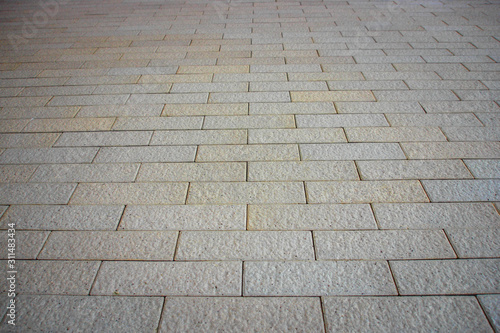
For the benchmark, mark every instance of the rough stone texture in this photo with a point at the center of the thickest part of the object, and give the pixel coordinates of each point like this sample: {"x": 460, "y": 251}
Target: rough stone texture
{"x": 464, "y": 276}
{"x": 129, "y": 193}
{"x": 462, "y": 190}
{"x": 351, "y": 151}
{"x": 88, "y": 313}
{"x": 404, "y": 314}
{"x": 490, "y": 304}
{"x": 365, "y": 192}
{"x": 304, "y": 170}
{"x": 55, "y": 217}
{"x": 340, "y": 120}
{"x": 53, "y": 277}
{"x": 28, "y": 243}
{"x": 394, "y": 134}
{"x": 245, "y": 245}
{"x": 169, "y": 172}
{"x": 317, "y": 278}
{"x": 57, "y": 173}
{"x": 263, "y": 314}
{"x": 146, "y": 154}
{"x": 375, "y": 245}
{"x": 436, "y": 215}
{"x": 110, "y": 245}
{"x": 276, "y": 152}
{"x": 35, "y": 194}
{"x": 310, "y": 217}
{"x": 182, "y": 217}
{"x": 16, "y": 173}
{"x": 208, "y": 137}
{"x": 298, "y": 135}
{"x": 481, "y": 243}
{"x": 169, "y": 278}
{"x": 413, "y": 169}
{"x": 484, "y": 168}
{"x": 83, "y": 139}
{"x": 48, "y": 155}
{"x": 292, "y": 108}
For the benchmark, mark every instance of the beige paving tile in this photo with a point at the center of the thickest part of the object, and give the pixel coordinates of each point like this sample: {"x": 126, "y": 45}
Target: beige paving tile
{"x": 489, "y": 303}
{"x": 146, "y": 154}
{"x": 475, "y": 243}
{"x": 28, "y": 243}
{"x": 28, "y": 140}
{"x": 351, "y": 151}
{"x": 81, "y": 173}
{"x": 276, "y": 152}
{"x": 394, "y": 134}
{"x": 16, "y": 173}
{"x": 169, "y": 278}
{"x": 12, "y": 125}
{"x": 69, "y": 125}
{"x": 304, "y": 170}
{"x": 208, "y": 137}
{"x": 85, "y": 139}
{"x": 292, "y": 108}
{"x": 451, "y": 150}
{"x": 35, "y": 194}
{"x": 296, "y": 135}
{"x": 157, "y": 123}
{"x": 234, "y": 109}
{"x": 175, "y": 172}
{"x": 333, "y": 96}
{"x": 251, "y": 121}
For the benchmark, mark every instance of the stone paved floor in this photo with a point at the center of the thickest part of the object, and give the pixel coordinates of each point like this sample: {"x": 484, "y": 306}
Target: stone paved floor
{"x": 251, "y": 166}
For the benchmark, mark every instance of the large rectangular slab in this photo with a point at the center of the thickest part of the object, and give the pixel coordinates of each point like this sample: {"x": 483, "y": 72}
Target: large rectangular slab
{"x": 208, "y": 278}
{"x": 317, "y": 278}
{"x": 115, "y": 314}
{"x": 201, "y": 137}
{"x": 375, "y": 245}
{"x": 28, "y": 140}
{"x": 310, "y": 217}
{"x": 48, "y": 155}
{"x": 56, "y": 277}
{"x": 475, "y": 243}
{"x": 249, "y": 121}
{"x": 110, "y": 245}
{"x": 303, "y": 170}
{"x": 28, "y": 243}
{"x": 365, "y": 191}
{"x": 184, "y": 217}
{"x": 246, "y": 193}
{"x": 157, "y": 123}
{"x": 129, "y": 193}
{"x": 413, "y": 169}
{"x": 490, "y": 305}
{"x": 54, "y": 217}
{"x": 245, "y": 245}
{"x": 341, "y": 120}
{"x": 460, "y": 276}
{"x": 398, "y": 314}
{"x": 35, "y": 194}
{"x": 436, "y": 215}
{"x": 242, "y": 153}
{"x": 175, "y": 172}
{"x": 296, "y": 135}
{"x": 62, "y": 173}
{"x": 146, "y": 154}
{"x": 292, "y": 108}
{"x": 351, "y": 151}
{"x": 394, "y": 134}
{"x": 462, "y": 190}
{"x": 449, "y": 150}
{"x": 242, "y": 314}
{"x": 85, "y": 139}
{"x": 484, "y": 168}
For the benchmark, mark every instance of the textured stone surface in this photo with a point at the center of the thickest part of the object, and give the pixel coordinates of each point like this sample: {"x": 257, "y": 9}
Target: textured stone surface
{"x": 169, "y": 172}
{"x": 374, "y": 245}
{"x": 465, "y": 276}
{"x": 275, "y": 152}
{"x": 35, "y": 194}
{"x": 475, "y": 243}
{"x": 317, "y": 278}
{"x": 48, "y": 155}
{"x": 209, "y": 137}
{"x": 311, "y": 216}
{"x": 182, "y": 217}
{"x": 404, "y": 314}
{"x": 53, "y": 217}
{"x": 110, "y": 245}
{"x": 279, "y": 314}
{"x": 413, "y": 169}
{"x": 245, "y": 245}
{"x": 292, "y": 108}
{"x": 146, "y": 154}
{"x": 484, "y": 168}
{"x": 351, "y": 151}
{"x": 88, "y": 313}
{"x": 16, "y": 173}
{"x": 57, "y": 173}
{"x": 436, "y": 215}
{"x": 298, "y": 135}
{"x": 490, "y": 304}
{"x": 462, "y": 190}
{"x": 28, "y": 243}
{"x": 169, "y": 278}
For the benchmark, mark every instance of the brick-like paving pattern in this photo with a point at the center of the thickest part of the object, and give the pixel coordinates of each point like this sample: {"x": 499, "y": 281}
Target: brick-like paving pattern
{"x": 251, "y": 166}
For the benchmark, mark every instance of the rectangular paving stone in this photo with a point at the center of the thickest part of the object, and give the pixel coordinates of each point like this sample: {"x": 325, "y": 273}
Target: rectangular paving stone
{"x": 436, "y": 119}
{"x": 249, "y": 97}
{"x": 182, "y": 314}
{"x": 365, "y": 191}
{"x": 173, "y": 78}
{"x": 142, "y": 70}
{"x": 307, "y": 68}
{"x": 415, "y": 95}
{"x": 488, "y": 119}
{"x": 86, "y": 139}
{"x": 88, "y": 100}
{"x": 245, "y": 245}
{"x": 462, "y": 190}
{"x": 28, "y": 140}
{"x": 394, "y": 134}
{"x": 475, "y": 243}
{"x": 110, "y": 245}
{"x": 382, "y": 245}
{"x": 489, "y": 303}
{"x": 397, "y": 314}
{"x": 129, "y": 193}
{"x": 303, "y": 170}
{"x": 145, "y": 154}
{"x": 472, "y": 133}
{"x": 16, "y": 173}
{"x": 249, "y": 77}
{"x": 42, "y": 313}
{"x": 459, "y": 106}
{"x": 38, "y": 112}
{"x": 69, "y": 125}
{"x": 310, "y": 217}
{"x": 367, "y": 85}
{"x": 209, "y": 87}
{"x": 174, "y": 172}
{"x": 333, "y": 96}
{"x": 54, "y": 217}
{"x": 167, "y": 98}
{"x": 246, "y": 193}
{"x": 351, "y": 151}
{"x": 23, "y": 102}
{"x": 157, "y": 123}
{"x": 460, "y": 276}
{"x": 54, "y": 277}
{"x": 317, "y": 278}
{"x": 143, "y": 110}
{"x": 412, "y": 169}
{"x": 292, "y": 108}
{"x": 235, "y": 153}
{"x": 287, "y": 86}
{"x": 134, "y": 88}
{"x": 437, "y": 215}
{"x": 169, "y": 278}
{"x": 28, "y": 243}
{"x": 341, "y": 120}
{"x": 78, "y": 173}
{"x": 449, "y": 150}
{"x": 12, "y": 125}
{"x": 379, "y": 107}
{"x": 213, "y": 69}
{"x": 252, "y": 121}
{"x": 208, "y": 137}
{"x": 296, "y": 135}
{"x": 484, "y": 168}
{"x": 35, "y": 194}
{"x": 182, "y": 217}
{"x": 230, "y": 109}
